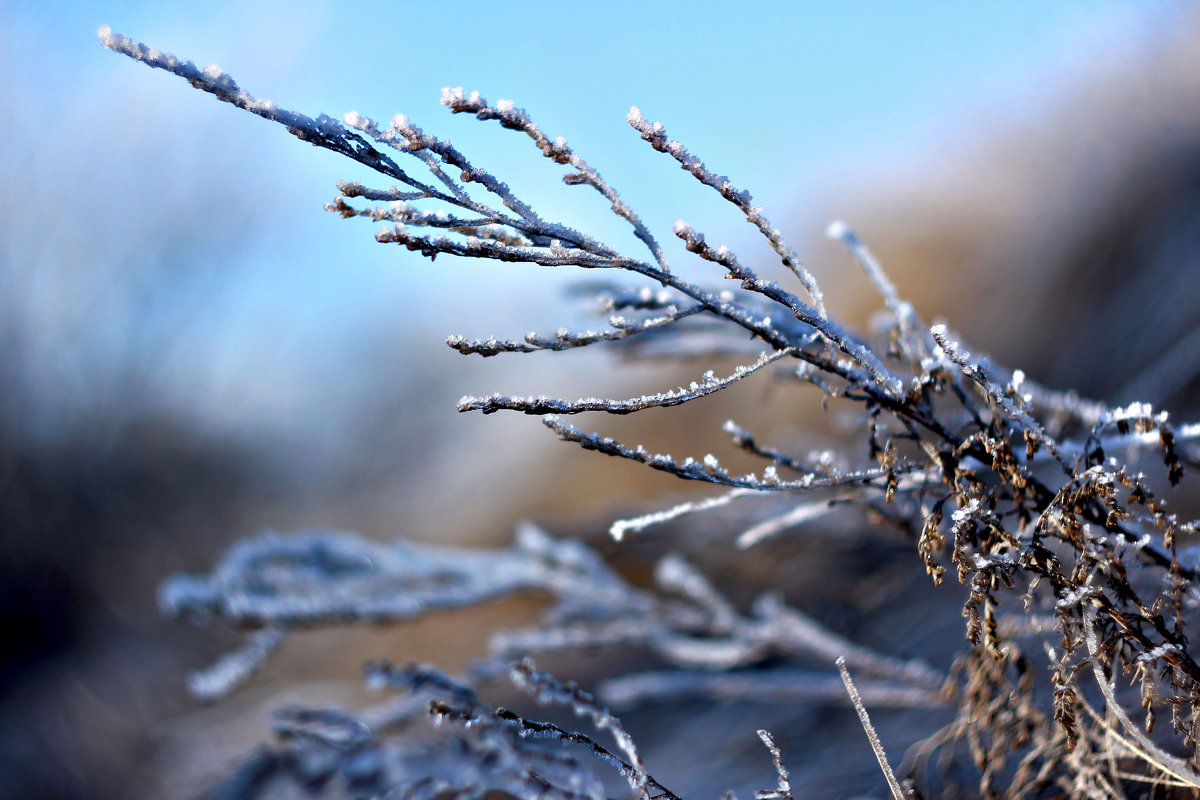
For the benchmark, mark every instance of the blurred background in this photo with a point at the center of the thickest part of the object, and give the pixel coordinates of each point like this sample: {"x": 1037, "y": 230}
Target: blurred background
{"x": 192, "y": 350}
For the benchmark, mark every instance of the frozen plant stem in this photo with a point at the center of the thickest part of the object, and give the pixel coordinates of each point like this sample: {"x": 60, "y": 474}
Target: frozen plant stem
{"x": 784, "y": 791}
{"x": 876, "y": 745}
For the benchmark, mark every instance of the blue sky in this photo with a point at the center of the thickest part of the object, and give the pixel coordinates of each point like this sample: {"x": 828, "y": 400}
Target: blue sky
{"x": 808, "y": 89}
{"x": 124, "y": 170}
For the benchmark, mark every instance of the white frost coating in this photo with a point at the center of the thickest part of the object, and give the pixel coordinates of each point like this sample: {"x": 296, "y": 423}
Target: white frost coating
{"x": 1140, "y": 414}
{"x": 995, "y": 393}
{"x": 836, "y": 230}
{"x": 235, "y": 668}
{"x": 1135, "y": 410}
{"x": 1158, "y": 652}
{"x": 676, "y": 575}
{"x": 564, "y": 338}
{"x": 784, "y": 789}
{"x": 1076, "y": 596}
{"x": 987, "y": 560}
{"x": 776, "y": 525}
{"x": 515, "y": 118}
{"x": 881, "y": 378}
{"x": 897, "y": 790}
{"x": 546, "y": 689}
{"x": 966, "y": 513}
{"x": 211, "y": 80}
{"x": 906, "y": 319}
{"x": 688, "y": 469}
{"x": 656, "y": 135}
{"x": 822, "y": 458}
{"x": 677, "y": 396}
{"x": 938, "y": 331}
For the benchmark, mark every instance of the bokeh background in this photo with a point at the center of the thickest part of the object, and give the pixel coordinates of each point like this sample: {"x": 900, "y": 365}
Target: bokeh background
{"x": 192, "y": 350}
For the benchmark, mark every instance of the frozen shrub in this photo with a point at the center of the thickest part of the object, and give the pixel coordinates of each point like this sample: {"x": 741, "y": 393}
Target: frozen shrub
{"x": 1048, "y": 509}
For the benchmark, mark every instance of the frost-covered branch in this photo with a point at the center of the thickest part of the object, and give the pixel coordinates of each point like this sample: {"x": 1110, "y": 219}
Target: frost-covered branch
{"x": 767, "y": 686}
{"x": 518, "y": 119}
{"x": 913, "y": 345}
{"x": 565, "y": 340}
{"x": 880, "y": 375}
{"x": 996, "y": 395}
{"x": 709, "y": 470}
{"x": 656, "y": 135}
{"x": 784, "y": 790}
{"x": 548, "y": 690}
{"x": 549, "y": 405}
{"x": 1033, "y": 499}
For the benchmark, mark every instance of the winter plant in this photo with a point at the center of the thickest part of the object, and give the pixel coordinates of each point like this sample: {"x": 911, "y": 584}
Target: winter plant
{"x": 1049, "y": 510}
